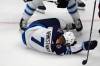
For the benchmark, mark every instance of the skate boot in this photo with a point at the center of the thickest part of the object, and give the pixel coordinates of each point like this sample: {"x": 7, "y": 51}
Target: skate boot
{"x": 90, "y": 45}
{"x": 81, "y": 5}
{"x": 78, "y": 25}
{"x": 41, "y": 9}
{"x": 23, "y": 24}
{"x": 70, "y": 26}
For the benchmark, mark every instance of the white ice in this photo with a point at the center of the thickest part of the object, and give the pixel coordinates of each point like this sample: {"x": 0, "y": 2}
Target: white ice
{"x": 13, "y": 53}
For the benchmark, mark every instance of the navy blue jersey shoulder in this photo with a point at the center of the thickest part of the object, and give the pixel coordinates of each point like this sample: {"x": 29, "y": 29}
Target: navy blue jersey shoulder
{"x": 50, "y": 22}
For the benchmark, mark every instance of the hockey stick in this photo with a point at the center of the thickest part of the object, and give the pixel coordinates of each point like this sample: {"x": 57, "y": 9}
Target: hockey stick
{"x": 85, "y": 61}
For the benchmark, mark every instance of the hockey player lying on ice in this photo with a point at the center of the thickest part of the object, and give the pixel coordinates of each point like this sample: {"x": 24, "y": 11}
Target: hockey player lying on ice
{"x": 47, "y": 36}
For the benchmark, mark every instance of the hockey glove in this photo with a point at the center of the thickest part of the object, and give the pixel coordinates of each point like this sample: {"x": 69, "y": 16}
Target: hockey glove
{"x": 90, "y": 45}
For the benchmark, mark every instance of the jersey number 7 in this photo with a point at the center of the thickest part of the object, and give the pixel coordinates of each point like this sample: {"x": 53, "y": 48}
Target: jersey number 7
{"x": 41, "y": 43}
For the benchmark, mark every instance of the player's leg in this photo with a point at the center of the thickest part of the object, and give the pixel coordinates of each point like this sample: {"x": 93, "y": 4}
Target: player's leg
{"x": 73, "y": 11}
{"x": 28, "y": 12}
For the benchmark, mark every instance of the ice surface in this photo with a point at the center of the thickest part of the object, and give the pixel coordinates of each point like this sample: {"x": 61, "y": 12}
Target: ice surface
{"x": 13, "y": 53}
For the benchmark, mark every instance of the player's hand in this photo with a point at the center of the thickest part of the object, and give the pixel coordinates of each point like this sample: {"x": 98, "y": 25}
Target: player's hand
{"x": 90, "y": 45}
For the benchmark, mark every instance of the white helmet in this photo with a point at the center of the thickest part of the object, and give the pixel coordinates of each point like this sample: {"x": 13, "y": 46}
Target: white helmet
{"x": 69, "y": 37}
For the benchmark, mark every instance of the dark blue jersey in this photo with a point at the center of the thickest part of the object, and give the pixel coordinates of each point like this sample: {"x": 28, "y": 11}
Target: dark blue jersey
{"x": 56, "y": 32}
{"x": 51, "y": 22}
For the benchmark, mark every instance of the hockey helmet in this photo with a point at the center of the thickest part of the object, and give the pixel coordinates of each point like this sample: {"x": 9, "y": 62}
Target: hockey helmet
{"x": 69, "y": 37}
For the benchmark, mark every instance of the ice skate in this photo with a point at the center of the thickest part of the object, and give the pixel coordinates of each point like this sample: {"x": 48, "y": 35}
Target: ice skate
{"x": 23, "y": 24}
{"x": 78, "y": 25}
{"x": 70, "y": 26}
{"x": 81, "y": 5}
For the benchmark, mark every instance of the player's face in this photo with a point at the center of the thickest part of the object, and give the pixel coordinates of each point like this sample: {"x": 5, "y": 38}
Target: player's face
{"x": 60, "y": 40}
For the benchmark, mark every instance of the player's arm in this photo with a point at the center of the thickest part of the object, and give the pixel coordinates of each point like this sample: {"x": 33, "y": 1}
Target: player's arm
{"x": 84, "y": 46}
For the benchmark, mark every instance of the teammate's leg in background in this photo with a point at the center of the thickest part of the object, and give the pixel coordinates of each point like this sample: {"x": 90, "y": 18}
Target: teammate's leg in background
{"x": 29, "y": 11}
{"x": 70, "y": 26}
{"x": 73, "y": 11}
